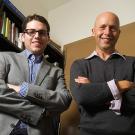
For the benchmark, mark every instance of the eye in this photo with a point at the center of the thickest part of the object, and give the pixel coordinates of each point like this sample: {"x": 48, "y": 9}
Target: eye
{"x": 102, "y": 27}
{"x": 113, "y": 29}
{"x": 30, "y": 32}
{"x": 42, "y": 32}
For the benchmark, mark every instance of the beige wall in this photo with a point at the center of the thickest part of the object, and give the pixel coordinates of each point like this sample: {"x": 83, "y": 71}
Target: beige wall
{"x": 73, "y": 21}
{"x": 82, "y": 48}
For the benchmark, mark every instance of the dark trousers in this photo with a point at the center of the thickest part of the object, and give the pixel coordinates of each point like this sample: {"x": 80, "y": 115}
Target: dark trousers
{"x": 20, "y": 129}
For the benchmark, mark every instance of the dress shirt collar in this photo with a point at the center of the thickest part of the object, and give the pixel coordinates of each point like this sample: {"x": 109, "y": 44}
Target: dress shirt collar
{"x": 94, "y": 53}
{"x": 32, "y": 57}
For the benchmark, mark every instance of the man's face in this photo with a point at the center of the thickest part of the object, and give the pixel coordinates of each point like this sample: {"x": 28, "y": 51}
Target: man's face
{"x": 35, "y": 37}
{"x": 106, "y": 32}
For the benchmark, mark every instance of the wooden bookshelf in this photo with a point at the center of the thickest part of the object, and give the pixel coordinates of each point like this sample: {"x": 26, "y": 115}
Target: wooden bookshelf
{"x": 6, "y": 45}
{"x": 55, "y": 55}
{"x": 9, "y": 15}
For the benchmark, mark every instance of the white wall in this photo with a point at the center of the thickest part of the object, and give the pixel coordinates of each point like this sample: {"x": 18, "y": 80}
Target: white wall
{"x": 74, "y": 20}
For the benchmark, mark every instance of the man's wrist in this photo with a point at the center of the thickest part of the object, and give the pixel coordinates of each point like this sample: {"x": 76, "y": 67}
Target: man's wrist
{"x": 23, "y": 89}
{"x": 114, "y": 89}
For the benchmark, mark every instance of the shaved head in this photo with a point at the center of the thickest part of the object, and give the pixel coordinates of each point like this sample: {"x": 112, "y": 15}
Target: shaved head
{"x": 106, "y": 31}
{"x": 106, "y": 14}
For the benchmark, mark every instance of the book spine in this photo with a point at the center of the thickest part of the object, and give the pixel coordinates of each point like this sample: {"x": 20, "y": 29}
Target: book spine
{"x": 6, "y": 27}
{"x": 3, "y": 24}
{"x": 1, "y": 21}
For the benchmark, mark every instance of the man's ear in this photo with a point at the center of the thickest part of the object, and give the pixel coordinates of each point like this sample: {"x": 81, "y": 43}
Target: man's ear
{"x": 119, "y": 31}
{"x": 48, "y": 39}
{"x": 93, "y": 32}
{"x": 22, "y": 37}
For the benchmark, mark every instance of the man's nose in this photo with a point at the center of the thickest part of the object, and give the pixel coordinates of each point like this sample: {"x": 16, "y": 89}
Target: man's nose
{"x": 37, "y": 34}
{"x": 107, "y": 30}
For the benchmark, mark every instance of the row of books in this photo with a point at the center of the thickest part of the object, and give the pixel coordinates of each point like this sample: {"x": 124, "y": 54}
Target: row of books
{"x": 9, "y": 30}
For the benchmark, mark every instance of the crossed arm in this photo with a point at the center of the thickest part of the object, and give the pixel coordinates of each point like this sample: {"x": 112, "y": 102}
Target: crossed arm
{"x": 33, "y": 106}
{"x": 123, "y": 85}
{"x": 54, "y": 99}
{"x": 94, "y": 94}
{"x": 12, "y": 104}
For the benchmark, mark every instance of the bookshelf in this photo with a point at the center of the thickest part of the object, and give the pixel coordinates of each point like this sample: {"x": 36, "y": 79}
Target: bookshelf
{"x": 55, "y": 55}
{"x": 10, "y": 43}
{"x": 10, "y": 26}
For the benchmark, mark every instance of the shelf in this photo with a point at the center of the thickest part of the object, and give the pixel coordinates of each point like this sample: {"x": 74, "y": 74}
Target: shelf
{"x": 6, "y": 45}
{"x": 54, "y": 55}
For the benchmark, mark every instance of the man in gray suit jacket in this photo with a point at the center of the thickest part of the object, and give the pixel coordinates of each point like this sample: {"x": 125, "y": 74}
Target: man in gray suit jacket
{"x": 32, "y": 91}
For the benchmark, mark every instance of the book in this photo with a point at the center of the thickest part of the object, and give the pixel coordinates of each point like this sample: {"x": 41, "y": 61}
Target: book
{"x": 9, "y": 30}
{"x": 6, "y": 27}
{"x": 20, "y": 43}
{"x": 0, "y": 22}
{"x": 3, "y": 24}
{"x": 1, "y": 14}
{"x": 16, "y": 35}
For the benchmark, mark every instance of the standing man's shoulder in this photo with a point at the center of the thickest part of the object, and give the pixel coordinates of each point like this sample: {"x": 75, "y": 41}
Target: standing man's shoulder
{"x": 10, "y": 56}
{"x": 7, "y": 54}
{"x": 130, "y": 58}
{"x": 80, "y": 62}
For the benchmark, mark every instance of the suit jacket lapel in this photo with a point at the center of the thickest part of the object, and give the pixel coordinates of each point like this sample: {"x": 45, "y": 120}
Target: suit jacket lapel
{"x": 24, "y": 64}
{"x": 44, "y": 69}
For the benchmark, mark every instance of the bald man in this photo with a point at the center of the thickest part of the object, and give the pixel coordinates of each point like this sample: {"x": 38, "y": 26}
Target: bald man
{"x": 103, "y": 85}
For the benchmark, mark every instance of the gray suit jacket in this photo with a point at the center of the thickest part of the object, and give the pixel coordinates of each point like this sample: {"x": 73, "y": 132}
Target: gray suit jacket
{"x": 45, "y": 99}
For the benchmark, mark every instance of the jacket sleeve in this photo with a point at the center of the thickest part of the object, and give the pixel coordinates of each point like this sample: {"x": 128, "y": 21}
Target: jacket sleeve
{"x": 93, "y": 94}
{"x": 53, "y": 95}
{"x": 12, "y": 104}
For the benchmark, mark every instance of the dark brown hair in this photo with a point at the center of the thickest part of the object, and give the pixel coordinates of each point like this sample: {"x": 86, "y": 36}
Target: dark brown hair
{"x": 37, "y": 18}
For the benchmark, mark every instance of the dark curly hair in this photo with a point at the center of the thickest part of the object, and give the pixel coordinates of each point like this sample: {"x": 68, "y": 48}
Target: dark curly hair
{"x": 37, "y": 18}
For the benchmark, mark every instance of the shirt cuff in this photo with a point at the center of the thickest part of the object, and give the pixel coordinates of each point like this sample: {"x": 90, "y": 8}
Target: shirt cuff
{"x": 114, "y": 89}
{"x": 23, "y": 89}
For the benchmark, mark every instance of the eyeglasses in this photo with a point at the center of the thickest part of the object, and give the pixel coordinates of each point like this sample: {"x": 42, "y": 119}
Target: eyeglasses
{"x": 32, "y": 32}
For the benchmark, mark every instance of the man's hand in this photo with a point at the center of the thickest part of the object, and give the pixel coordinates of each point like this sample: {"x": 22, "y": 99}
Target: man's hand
{"x": 14, "y": 87}
{"x": 81, "y": 79}
{"x": 125, "y": 85}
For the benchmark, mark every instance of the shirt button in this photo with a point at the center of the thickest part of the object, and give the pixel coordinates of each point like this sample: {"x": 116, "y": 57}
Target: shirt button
{"x": 12, "y": 125}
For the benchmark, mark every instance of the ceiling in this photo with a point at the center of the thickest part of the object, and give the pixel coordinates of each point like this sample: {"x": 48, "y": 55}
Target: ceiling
{"x": 52, "y": 4}
{"x": 42, "y": 7}
{"x": 39, "y": 4}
